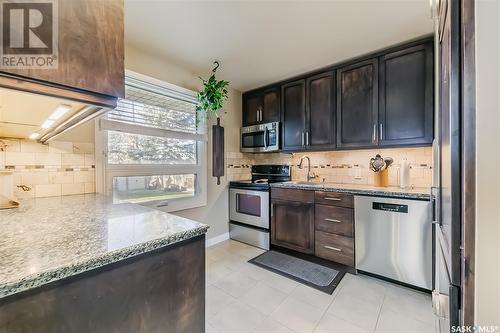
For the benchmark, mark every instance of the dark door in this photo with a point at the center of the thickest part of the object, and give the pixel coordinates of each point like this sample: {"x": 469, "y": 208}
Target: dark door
{"x": 320, "y": 109}
{"x": 357, "y": 104}
{"x": 252, "y": 104}
{"x": 271, "y": 105}
{"x": 406, "y": 97}
{"x": 293, "y": 115}
{"x": 448, "y": 230}
{"x": 292, "y": 225}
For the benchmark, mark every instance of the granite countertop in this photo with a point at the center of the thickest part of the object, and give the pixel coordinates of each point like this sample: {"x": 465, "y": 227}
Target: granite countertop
{"x": 419, "y": 193}
{"x": 49, "y": 239}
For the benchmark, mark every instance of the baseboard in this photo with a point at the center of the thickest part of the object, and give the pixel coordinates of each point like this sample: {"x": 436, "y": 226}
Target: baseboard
{"x": 217, "y": 239}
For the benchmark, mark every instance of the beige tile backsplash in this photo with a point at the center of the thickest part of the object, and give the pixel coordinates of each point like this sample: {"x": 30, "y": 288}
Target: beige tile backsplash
{"x": 345, "y": 167}
{"x": 54, "y": 169}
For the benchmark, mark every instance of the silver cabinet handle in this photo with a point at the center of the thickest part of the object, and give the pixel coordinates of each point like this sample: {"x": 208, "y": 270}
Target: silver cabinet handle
{"x": 257, "y": 115}
{"x": 260, "y": 114}
{"x": 162, "y": 204}
{"x": 272, "y": 210}
{"x": 332, "y": 220}
{"x": 307, "y": 138}
{"x": 332, "y": 198}
{"x": 302, "y": 138}
{"x": 381, "y": 134}
{"x": 332, "y": 248}
{"x": 374, "y": 134}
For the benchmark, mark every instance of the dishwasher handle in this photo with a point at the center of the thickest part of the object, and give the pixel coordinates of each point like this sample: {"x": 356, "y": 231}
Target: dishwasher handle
{"x": 390, "y": 207}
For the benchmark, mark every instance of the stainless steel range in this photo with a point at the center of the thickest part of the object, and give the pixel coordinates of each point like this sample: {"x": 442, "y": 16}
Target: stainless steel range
{"x": 249, "y": 202}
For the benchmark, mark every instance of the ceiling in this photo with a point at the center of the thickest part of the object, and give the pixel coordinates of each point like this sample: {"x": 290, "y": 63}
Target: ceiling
{"x": 260, "y": 42}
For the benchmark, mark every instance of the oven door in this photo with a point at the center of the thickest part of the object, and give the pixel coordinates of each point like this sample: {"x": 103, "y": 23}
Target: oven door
{"x": 249, "y": 207}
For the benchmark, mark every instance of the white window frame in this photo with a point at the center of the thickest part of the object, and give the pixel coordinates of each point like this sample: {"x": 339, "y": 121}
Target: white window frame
{"x": 105, "y": 172}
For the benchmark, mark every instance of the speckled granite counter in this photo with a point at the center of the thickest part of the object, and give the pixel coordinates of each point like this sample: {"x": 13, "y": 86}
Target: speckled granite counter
{"x": 50, "y": 239}
{"x": 393, "y": 192}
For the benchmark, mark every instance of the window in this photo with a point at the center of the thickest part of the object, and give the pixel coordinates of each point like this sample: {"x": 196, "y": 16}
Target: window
{"x": 155, "y": 153}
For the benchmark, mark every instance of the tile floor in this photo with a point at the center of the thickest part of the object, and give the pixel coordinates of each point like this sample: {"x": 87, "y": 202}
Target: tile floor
{"x": 242, "y": 297}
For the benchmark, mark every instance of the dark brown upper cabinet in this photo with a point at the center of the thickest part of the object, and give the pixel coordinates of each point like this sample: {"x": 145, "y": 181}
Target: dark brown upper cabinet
{"x": 261, "y": 106}
{"x": 406, "y": 97}
{"x": 384, "y": 99}
{"x": 357, "y": 104}
{"x": 320, "y": 111}
{"x": 90, "y": 56}
{"x": 251, "y": 108}
{"x": 293, "y": 115}
{"x": 308, "y": 113}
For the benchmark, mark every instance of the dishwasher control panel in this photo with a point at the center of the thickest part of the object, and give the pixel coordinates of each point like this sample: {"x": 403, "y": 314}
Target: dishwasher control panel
{"x": 389, "y": 207}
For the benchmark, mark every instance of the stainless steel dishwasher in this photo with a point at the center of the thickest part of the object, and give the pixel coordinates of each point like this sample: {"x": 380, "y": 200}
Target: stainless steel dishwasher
{"x": 393, "y": 239}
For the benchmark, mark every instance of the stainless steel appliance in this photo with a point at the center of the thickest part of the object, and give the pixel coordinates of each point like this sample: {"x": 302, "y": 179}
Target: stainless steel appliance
{"x": 450, "y": 266}
{"x": 260, "y": 138}
{"x": 249, "y": 212}
{"x": 394, "y": 239}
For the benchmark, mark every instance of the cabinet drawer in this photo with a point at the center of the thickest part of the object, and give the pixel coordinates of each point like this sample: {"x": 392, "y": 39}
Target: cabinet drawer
{"x": 336, "y": 220}
{"x": 287, "y": 194}
{"x": 334, "y": 199}
{"x": 335, "y": 248}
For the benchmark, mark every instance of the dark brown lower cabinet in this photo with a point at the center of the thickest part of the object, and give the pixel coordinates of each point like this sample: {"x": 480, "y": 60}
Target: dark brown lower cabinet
{"x": 314, "y": 222}
{"x": 292, "y": 222}
{"x": 161, "y": 291}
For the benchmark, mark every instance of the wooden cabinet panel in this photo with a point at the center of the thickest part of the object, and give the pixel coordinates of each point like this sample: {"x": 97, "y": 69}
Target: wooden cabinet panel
{"x": 357, "y": 104}
{"x": 287, "y": 194}
{"x": 334, "y": 199}
{"x": 271, "y": 105}
{"x": 91, "y": 48}
{"x": 292, "y": 225}
{"x": 406, "y": 97}
{"x": 293, "y": 115}
{"x": 334, "y": 247}
{"x": 261, "y": 106}
{"x": 320, "y": 108}
{"x": 251, "y": 108}
{"x": 146, "y": 293}
{"x": 336, "y": 220}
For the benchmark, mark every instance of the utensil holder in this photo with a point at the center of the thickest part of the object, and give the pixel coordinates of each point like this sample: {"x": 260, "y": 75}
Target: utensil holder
{"x": 381, "y": 178}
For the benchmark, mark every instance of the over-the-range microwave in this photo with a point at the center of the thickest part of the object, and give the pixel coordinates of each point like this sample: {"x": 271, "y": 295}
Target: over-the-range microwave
{"x": 260, "y": 138}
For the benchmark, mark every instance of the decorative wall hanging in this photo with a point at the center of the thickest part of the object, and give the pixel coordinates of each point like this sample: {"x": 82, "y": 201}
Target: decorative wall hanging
{"x": 210, "y": 103}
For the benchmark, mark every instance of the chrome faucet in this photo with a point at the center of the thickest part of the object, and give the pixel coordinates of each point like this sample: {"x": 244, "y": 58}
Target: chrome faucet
{"x": 309, "y": 174}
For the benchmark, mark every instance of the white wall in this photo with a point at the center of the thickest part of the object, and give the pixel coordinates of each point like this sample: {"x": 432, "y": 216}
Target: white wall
{"x": 487, "y": 276}
{"x": 216, "y": 212}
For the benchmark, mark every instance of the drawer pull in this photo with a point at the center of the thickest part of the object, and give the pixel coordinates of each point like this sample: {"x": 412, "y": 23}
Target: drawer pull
{"x": 332, "y": 198}
{"x": 332, "y": 220}
{"x": 332, "y": 248}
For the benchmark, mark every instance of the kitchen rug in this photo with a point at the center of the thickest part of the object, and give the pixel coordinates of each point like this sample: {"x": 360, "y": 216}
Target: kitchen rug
{"x": 306, "y": 272}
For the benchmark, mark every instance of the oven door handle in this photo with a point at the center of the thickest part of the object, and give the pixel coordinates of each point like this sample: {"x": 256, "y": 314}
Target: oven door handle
{"x": 266, "y": 133}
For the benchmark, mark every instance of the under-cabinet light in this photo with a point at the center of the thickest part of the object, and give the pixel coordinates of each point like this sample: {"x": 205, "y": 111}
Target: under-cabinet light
{"x": 48, "y": 123}
{"x": 35, "y": 135}
{"x": 60, "y": 111}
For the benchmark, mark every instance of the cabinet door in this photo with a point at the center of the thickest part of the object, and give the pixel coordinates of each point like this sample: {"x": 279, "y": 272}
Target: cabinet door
{"x": 90, "y": 47}
{"x": 406, "y": 97}
{"x": 357, "y": 104}
{"x": 271, "y": 105}
{"x": 251, "y": 107}
{"x": 293, "y": 225}
{"x": 320, "y": 109}
{"x": 293, "y": 115}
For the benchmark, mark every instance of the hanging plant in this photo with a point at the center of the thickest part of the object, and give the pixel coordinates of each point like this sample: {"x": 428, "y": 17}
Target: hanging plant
{"x": 211, "y": 99}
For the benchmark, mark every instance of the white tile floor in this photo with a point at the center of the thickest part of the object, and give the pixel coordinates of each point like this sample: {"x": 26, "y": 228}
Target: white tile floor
{"x": 242, "y": 297}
